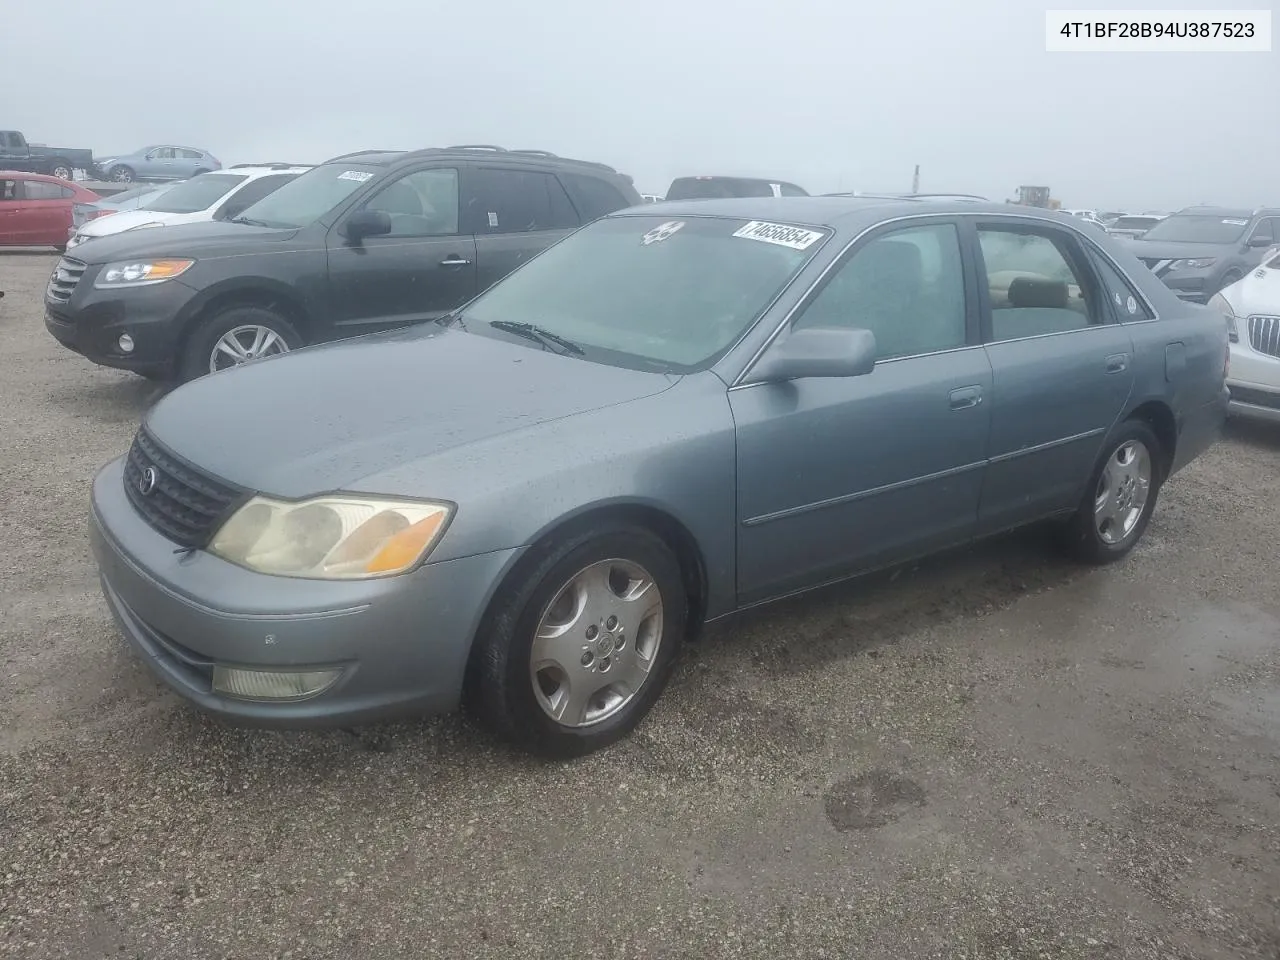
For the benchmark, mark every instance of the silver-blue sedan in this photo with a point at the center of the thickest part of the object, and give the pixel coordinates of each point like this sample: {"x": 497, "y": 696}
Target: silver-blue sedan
{"x": 668, "y": 416}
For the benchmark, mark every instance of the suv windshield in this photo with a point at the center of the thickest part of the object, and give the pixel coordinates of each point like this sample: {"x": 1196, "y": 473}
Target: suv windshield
{"x": 647, "y": 291}
{"x": 198, "y": 193}
{"x": 303, "y": 201}
{"x": 1198, "y": 228}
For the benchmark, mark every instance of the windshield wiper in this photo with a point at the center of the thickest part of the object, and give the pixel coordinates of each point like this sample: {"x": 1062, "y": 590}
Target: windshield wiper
{"x": 250, "y": 221}
{"x": 535, "y": 333}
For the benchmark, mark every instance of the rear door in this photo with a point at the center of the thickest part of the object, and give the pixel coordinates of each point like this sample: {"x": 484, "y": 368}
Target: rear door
{"x": 514, "y": 213}
{"x": 422, "y": 270}
{"x": 47, "y": 211}
{"x": 1062, "y": 367}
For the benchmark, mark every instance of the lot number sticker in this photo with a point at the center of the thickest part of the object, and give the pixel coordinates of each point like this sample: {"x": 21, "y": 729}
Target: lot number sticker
{"x": 797, "y": 238}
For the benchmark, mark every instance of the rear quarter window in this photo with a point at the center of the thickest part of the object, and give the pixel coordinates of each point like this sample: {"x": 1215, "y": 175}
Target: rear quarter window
{"x": 1125, "y": 301}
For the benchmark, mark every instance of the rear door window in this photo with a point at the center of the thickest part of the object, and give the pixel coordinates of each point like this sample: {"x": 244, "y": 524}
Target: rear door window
{"x": 593, "y": 196}
{"x": 502, "y": 200}
{"x": 39, "y": 190}
{"x": 1038, "y": 282}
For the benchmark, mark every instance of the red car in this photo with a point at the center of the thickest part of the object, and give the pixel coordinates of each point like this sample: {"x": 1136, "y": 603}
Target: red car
{"x": 35, "y": 210}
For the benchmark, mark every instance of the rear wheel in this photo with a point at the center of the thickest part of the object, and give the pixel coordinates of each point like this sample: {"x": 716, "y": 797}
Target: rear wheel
{"x": 62, "y": 170}
{"x": 1120, "y": 497}
{"x": 235, "y": 336}
{"x": 580, "y": 645}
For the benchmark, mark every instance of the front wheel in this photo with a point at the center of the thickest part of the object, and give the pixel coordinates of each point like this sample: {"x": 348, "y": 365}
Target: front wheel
{"x": 579, "y": 648}
{"x": 235, "y": 336}
{"x": 121, "y": 174}
{"x": 1120, "y": 497}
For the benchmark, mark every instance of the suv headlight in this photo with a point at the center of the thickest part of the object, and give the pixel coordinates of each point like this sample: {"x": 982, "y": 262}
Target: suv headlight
{"x": 1223, "y": 306}
{"x": 139, "y": 273}
{"x": 331, "y": 537}
{"x": 1203, "y": 263}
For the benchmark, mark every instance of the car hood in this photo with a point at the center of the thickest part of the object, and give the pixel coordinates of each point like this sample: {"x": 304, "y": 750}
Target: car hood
{"x": 176, "y": 239}
{"x": 1170, "y": 250}
{"x": 1258, "y": 292}
{"x": 324, "y": 418}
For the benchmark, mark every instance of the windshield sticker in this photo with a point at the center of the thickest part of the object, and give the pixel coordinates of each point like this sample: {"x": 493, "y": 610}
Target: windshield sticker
{"x": 359, "y": 176}
{"x": 796, "y": 238}
{"x": 1237, "y": 223}
{"x": 661, "y": 232}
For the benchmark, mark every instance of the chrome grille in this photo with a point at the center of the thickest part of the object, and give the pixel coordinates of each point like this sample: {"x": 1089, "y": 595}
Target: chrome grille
{"x": 1264, "y": 335}
{"x": 62, "y": 283}
{"x": 180, "y": 501}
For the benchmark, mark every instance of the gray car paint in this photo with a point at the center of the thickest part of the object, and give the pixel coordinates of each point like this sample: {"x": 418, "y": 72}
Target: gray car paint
{"x": 779, "y": 486}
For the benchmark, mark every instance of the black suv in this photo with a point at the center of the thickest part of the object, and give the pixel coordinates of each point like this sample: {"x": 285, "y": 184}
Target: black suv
{"x": 363, "y": 242}
{"x": 1201, "y": 250}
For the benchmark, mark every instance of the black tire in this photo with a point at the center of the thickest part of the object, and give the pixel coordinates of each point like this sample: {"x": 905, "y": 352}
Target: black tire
{"x": 500, "y": 685}
{"x": 61, "y": 169}
{"x": 194, "y": 361}
{"x": 120, "y": 174}
{"x": 1082, "y": 535}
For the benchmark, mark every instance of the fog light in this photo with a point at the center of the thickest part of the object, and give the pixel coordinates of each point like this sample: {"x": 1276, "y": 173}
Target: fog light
{"x": 126, "y": 343}
{"x": 270, "y": 684}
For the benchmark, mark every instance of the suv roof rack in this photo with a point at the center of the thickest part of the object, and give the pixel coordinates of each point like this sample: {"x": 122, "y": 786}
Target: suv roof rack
{"x": 494, "y": 148}
{"x": 361, "y": 153}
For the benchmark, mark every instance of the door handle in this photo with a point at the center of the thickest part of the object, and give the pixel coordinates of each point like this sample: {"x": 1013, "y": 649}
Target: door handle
{"x": 454, "y": 261}
{"x": 963, "y": 398}
{"x": 1117, "y": 363}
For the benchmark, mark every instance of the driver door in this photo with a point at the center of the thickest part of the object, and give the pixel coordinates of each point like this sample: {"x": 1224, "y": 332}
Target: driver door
{"x": 841, "y": 475}
{"x": 422, "y": 270}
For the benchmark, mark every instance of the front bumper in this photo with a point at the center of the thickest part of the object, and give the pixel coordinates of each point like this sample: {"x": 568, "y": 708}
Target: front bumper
{"x": 401, "y": 643}
{"x": 93, "y": 320}
{"x": 1254, "y": 381}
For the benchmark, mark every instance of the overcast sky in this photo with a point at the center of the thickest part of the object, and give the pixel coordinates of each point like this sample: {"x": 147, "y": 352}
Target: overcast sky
{"x": 832, "y": 95}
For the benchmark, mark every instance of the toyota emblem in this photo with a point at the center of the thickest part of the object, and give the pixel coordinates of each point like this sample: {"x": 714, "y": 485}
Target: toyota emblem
{"x": 147, "y": 482}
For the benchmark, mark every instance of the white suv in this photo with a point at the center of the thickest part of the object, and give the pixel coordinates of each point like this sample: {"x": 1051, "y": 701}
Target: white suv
{"x": 222, "y": 195}
{"x": 1252, "y": 308}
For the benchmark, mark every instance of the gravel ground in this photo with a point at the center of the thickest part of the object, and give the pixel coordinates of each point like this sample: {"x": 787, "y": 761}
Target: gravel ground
{"x": 992, "y": 754}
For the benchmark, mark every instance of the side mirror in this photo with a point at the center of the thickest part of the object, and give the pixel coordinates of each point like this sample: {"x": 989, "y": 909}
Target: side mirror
{"x": 818, "y": 352}
{"x": 367, "y": 223}
{"x": 1256, "y": 241}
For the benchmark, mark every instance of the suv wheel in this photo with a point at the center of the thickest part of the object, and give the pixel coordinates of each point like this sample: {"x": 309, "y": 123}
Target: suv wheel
{"x": 578, "y": 648}
{"x": 235, "y": 336}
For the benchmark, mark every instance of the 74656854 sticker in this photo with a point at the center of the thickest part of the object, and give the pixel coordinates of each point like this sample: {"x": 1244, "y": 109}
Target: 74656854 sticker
{"x": 797, "y": 238}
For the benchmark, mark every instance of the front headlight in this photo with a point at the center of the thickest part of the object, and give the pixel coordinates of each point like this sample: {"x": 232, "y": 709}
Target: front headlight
{"x": 1201, "y": 264}
{"x": 1223, "y": 306}
{"x": 331, "y": 537}
{"x": 139, "y": 273}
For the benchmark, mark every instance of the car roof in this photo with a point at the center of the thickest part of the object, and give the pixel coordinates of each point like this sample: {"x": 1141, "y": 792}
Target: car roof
{"x": 27, "y": 175}
{"x": 831, "y": 211}
{"x": 1207, "y": 210}
{"x": 390, "y": 158}
{"x": 262, "y": 169}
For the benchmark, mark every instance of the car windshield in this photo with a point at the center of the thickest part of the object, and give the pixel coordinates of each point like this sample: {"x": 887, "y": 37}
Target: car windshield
{"x": 646, "y": 292}
{"x": 303, "y": 201}
{"x": 198, "y": 193}
{"x": 1198, "y": 228}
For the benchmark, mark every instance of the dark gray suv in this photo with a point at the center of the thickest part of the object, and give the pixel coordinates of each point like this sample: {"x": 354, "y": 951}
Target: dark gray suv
{"x": 363, "y": 242}
{"x": 1200, "y": 250}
